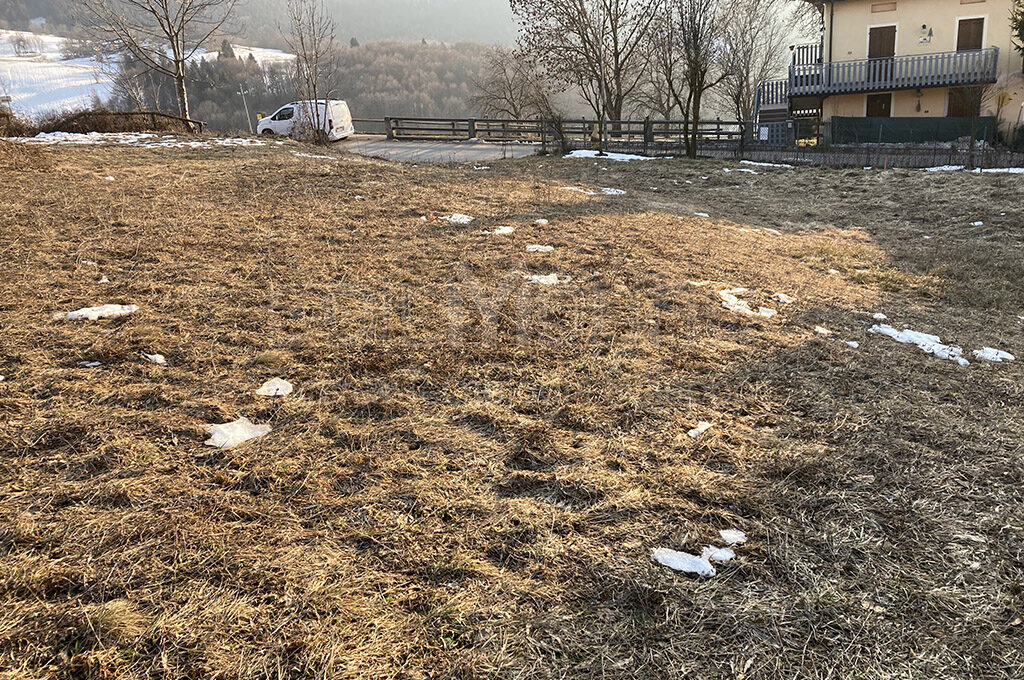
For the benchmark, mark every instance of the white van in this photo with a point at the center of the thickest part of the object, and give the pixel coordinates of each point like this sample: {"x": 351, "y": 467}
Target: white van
{"x": 296, "y": 120}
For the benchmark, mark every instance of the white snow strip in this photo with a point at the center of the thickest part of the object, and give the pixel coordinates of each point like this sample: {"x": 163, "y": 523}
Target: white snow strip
{"x": 89, "y": 364}
{"x": 715, "y": 554}
{"x": 977, "y": 224}
{"x": 230, "y": 435}
{"x": 698, "y": 214}
{"x": 684, "y": 562}
{"x": 748, "y": 171}
{"x": 482, "y": 167}
{"x": 157, "y": 359}
{"x": 582, "y": 191}
{"x": 500, "y": 231}
{"x": 773, "y": 232}
{"x": 997, "y": 355}
{"x": 546, "y": 279}
{"x": 534, "y": 248}
{"x": 612, "y": 192}
{"x": 313, "y": 155}
{"x": 785, "y": 299}
{"x": 101, "y": 312}
{"x": 456, "y": 218}
{"x": 726, "y": 170}
{"x": 767, "y": 165}
{"x": 542, "y": 223}
{"x": 734, "y": 304}
{"x": 821, "y": 330}
{"x": 89, "y": 263}
{"x": 945, "y": 168}
{"x": 275, "y": 387}
{"x": 733, "y": 536}
{"x": 927, "y": 343}
{"x": 853, "y": 343}
{"x": 879, "y": 317}
{"x": 701, "y": 428}
{"x": 618, "y": 157}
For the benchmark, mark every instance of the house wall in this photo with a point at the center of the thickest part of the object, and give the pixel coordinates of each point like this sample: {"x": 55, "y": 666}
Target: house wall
{"x": 933, "y": 103}
{"x": 852, "y": 20}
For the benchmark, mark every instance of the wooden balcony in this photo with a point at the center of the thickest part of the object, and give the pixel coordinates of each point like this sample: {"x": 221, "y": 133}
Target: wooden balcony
{"x": 942, "y": 69}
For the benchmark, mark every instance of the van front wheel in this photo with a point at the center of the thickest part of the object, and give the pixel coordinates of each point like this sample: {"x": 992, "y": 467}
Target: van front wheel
{"x": 267, "y": 133}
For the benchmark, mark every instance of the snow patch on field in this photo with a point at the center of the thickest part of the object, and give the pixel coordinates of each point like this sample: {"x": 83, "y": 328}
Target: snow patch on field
{"x": 101, "y": 312}
{"x": 996, "y": 355}
{"x": 767, "y": 165}
{"x": 230, "y": 435}
{"x": 931, "y": 344}
{"x": 617, "y": 157}
{"x": 145, "y": 140}
{"x": 734, "y": 304}
{"x": 683, "y": 562}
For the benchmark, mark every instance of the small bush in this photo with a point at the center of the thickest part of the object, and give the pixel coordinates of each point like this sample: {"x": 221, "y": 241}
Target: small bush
{"x": 102, "y": 120}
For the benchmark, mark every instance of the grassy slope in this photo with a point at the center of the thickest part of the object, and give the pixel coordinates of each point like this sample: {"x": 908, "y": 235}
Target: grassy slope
{"x": 472, "y": 472}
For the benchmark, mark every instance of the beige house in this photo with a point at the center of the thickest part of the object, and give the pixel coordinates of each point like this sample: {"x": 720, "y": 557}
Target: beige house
{"x": 903, "y": 59}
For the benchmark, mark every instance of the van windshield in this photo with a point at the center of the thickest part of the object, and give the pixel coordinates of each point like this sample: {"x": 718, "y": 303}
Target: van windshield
{"x": 284, "y": 114}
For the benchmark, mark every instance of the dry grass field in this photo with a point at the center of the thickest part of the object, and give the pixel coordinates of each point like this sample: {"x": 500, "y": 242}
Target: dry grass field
{"x": 473, "y": 470}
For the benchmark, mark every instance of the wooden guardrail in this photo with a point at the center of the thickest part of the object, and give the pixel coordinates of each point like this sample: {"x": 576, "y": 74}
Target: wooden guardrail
{"x": 641, "y": 136}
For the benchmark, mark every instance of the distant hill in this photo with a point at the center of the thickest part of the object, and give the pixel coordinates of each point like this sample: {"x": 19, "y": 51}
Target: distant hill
{"x": 259, "y": 21}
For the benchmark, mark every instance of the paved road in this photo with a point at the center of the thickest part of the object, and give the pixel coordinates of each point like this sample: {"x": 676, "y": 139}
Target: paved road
{"x": 380, "y": 146}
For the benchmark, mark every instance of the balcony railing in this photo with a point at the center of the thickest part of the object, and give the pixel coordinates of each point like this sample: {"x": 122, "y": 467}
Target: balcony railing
{"x": 942, "y": 69}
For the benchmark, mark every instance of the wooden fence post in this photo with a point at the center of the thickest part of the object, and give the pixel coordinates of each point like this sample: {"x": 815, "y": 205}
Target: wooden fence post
{"x": 648, "y": 136}
{"x": 471, "y": 127}
{"x": 389, "y": 129}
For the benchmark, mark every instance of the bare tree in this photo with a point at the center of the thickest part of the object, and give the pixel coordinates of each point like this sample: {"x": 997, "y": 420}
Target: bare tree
{"x": 162, "y": 34}
{"x": 511, "y": 87}
{"x": 701, "y": 42}
{"x": 312, "y": 39}
{"x": 600, "y": 47}
{"x": 756, "y": 33}
{"x": 688, "y": 50}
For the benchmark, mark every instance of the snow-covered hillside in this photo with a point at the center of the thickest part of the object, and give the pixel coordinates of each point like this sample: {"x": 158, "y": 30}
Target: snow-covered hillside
{"x": 40, "y": 81}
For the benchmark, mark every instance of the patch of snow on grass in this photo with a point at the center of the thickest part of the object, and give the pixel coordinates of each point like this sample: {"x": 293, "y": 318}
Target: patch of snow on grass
{"x": 546, "y": 279}
{"x": 715, "y": 554}
{"x": 700, "y": 214}
{"x": 157, "y": 359}
{"x": 701, "y": 428}
{"x": 101, "y": 312}
{"x": 534, "y": 248}
{"x": 618, "y": 157}
{"x": 612, "y": 192}
{"x": 89, "y": 364}
{"x": 853, "y": 343}
{"x": 684, "y": 562}
{"x": 733, "y": 536}
{"x": 230, "y": 435}
{"x": 931, "y": 344}
{"x": 785, "y": 299}
{"x": 500, "y": 231}
{"x": 945, "y": 168}
{"x": 542, "y": 223}
{"x": 456, "y": 218}
{"x": 977, "y": 224}
{"x": 997, "y": 355}
{"x": 767, "y": 165}
{"x": 275, "y": 387}
{"x": 734, "y": 304}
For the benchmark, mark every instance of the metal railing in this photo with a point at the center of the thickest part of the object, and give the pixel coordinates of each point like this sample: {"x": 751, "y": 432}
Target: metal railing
{"x": 941, "y": 69}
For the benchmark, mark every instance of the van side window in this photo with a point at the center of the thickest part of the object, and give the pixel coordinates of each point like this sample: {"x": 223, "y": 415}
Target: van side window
{"x": 284, "y": 114}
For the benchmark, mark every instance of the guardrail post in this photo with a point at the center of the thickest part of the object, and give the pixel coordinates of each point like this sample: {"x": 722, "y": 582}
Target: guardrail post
{"x": 648, "y": 135}
{"x": 389, "y": 129}
{"x": 471, "y": 128}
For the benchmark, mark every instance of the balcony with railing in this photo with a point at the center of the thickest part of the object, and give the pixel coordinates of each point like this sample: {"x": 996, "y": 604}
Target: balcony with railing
{"x": 941, "y": 69}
